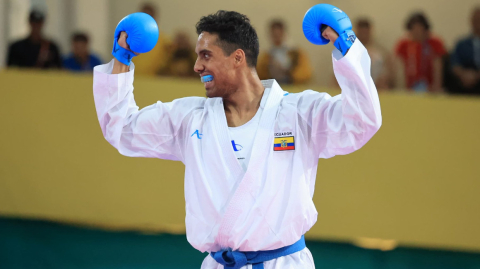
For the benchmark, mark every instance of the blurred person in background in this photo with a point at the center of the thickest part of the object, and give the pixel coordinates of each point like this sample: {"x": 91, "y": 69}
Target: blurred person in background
{"x": 80, "y": 59}
{"x": 421, "y": 55}
{"x": 382, "y": 69}
{"x": 182, "y": 58}
{"x": 465, "y": 60}
{"x": 382, "y": 62}
{"x": 35, "y": 51}
{"x": 155, "y": 61}
{"x": 286, "y": 64}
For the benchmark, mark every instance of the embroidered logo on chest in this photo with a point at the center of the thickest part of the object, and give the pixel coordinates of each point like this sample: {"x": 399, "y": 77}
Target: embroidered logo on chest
{"x": 283, "y": 141}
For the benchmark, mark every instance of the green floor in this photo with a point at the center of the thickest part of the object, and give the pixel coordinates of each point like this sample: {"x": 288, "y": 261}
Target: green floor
{"x": 39, "y": 244}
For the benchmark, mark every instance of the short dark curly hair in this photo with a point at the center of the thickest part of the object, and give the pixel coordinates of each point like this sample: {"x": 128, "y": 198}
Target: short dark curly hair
{"x": 234, "y": 32}
{"x": 418, "y": 17}
{"x": 79, "y": 37}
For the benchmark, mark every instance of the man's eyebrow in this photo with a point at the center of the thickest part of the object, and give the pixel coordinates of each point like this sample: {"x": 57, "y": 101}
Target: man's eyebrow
{"x": 204, "y": 51}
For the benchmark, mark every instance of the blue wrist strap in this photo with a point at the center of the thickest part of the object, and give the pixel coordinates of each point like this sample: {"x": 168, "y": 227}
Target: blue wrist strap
{"x": 122, "y": 55}
{"x": 345, "y": 41}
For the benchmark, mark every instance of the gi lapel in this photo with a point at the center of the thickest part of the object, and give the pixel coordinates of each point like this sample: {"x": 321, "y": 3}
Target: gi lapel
{"x": 223, "y": 138}
{"x": 262, "y": 146}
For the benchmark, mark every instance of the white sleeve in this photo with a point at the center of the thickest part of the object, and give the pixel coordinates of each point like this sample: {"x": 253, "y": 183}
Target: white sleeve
{"x": 155, "y": 131}
{"x": 342, "y": 124}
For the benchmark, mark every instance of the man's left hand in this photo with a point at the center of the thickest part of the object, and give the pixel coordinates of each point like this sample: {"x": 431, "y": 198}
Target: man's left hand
{"x": 330, "y": 34}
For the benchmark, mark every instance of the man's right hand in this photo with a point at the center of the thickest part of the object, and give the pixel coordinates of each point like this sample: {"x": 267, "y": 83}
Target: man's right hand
{"x": 142, "y": 33}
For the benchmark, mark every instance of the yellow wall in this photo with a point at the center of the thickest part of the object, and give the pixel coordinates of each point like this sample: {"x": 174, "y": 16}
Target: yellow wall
{"x": 417, "y": 181}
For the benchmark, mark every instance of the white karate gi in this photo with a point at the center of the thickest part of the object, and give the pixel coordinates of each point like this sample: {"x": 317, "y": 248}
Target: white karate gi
{"x": 269, "y": 206}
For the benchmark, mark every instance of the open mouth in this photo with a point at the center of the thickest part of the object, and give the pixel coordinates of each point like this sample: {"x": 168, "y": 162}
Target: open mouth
{"x": 207, "y": 80}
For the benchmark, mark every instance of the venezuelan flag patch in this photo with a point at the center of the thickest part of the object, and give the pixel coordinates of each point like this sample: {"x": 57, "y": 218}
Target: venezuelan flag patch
{"x": 283, "y": 143}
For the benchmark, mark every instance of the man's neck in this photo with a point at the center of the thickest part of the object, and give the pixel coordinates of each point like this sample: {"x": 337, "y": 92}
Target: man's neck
{"x": 242, "y": 105}
{"x": 82, "y": 59}
{"x": 35, "y": 38}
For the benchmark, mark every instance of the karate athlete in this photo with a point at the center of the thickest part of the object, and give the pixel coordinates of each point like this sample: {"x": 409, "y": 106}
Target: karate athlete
{"x": 250, "y": 149}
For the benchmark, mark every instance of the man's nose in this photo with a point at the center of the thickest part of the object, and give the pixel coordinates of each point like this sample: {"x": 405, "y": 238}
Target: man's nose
{"x": 198, "y": 67}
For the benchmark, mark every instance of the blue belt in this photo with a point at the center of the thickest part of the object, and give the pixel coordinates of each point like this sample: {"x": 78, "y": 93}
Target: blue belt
{"x": 236, "y": 259}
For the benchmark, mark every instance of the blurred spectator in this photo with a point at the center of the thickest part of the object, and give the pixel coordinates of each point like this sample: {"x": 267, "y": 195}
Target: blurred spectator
{"x": 382, "y": 70}
{"x": 421, "y": 55}
{"x": 288, "y": 65}
{"x": 80, "y": 59}
{"x": 155, "y": 60}
{"x": 382, "y": 62}
{"x": 465, "y": 60}
{"x": 182, "y": 58}
{"x": 35, "y": 51}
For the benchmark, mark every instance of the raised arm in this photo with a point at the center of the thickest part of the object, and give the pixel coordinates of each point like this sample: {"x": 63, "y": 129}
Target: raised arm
{"x": 344, "y": 123}
{"x": 156, "y": 130}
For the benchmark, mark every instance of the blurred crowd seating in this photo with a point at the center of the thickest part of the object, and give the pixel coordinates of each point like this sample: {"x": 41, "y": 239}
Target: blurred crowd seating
{"x": 418, "y": 62}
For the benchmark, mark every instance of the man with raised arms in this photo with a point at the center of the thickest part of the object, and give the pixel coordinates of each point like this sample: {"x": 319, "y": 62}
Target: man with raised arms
{"x": 250, "y": 149}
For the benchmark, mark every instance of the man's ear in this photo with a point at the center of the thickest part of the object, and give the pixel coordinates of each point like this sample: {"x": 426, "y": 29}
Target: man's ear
{"x": 239, "y": 57}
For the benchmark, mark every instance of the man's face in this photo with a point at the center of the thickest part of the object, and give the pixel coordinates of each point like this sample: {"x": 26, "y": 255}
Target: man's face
{"x": 211, "y": 60}
{"x": 419, "y": 32}
{"x": 277, "y": 35}
{"x": 36, "y": 27}
{"x": 80, "y": 49}
{"x": 149, "y": 10}
{"x": 363, "y": 33}
{"x": 182, "y": 41}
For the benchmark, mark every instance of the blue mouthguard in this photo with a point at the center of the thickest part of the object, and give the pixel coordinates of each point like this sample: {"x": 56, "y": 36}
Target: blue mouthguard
{"x": 206, "y": 78}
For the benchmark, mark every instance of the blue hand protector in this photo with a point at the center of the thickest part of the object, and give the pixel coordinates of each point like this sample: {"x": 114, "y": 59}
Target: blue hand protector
{"x": 142, "y": 31}
{"x": 319, "y": 16}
